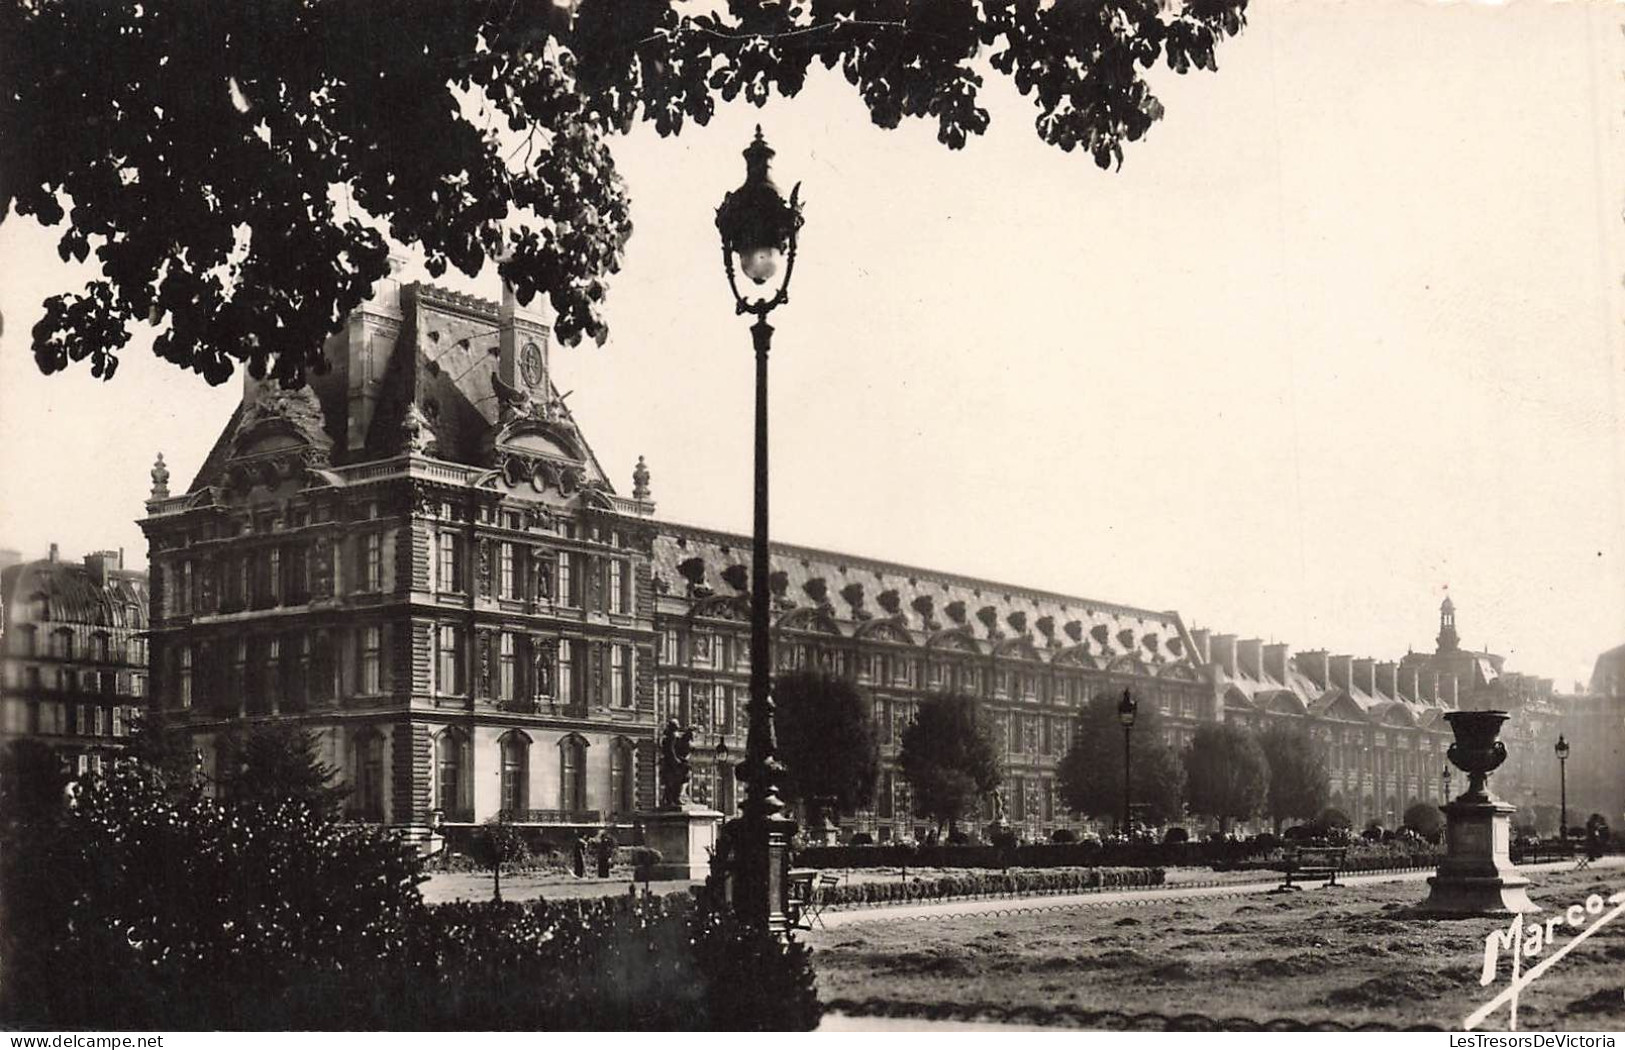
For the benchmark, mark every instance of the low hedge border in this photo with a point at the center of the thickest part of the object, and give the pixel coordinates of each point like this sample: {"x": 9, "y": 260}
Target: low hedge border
{"x": 992, "y": 884}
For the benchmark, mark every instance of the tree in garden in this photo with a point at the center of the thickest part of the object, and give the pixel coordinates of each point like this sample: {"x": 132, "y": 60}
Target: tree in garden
{"x": 276, "y": 762}
{"x": 33, "y": 780}
{"x": 948, "y": 757}
{"x": 1425, "y": 819}
{"x": 1226, "y": 775}
{"x": 165, "y": 749}
{"x": 826, "y": 743}
{"x": 497, "y": 843}
{"x": 1299, "y": 783}
{"x": 212, "y": 163}
{"x": 1090, "y": 777}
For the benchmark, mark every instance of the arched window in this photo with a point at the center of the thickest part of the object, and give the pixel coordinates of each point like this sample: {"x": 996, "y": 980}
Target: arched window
{"x": 622, "y": 778}
{"x": 452, "y": 776}
{"x": 515, "y": 800}
{"x": 369, "y": 775}
{"x": 572, "y": 774}
{"x": 62, "y": 643}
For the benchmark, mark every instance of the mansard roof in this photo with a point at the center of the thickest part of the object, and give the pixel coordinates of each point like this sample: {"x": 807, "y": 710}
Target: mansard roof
{"x": 74, "y": 594}
{"x": 919, "y": 606}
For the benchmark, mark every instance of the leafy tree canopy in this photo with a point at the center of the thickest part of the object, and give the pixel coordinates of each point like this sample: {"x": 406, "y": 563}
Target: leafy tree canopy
{"x": 1299, "y": 784}
{"x": 275, "y": 763}
{"x": 1091, "y": 774}
{"x": 1226, "y": 775}
{"x": 208, "y": 158}
{"x": 1424, "y": 818}
{"x": 948, "y": 757}
{"x": 825, "y": 740}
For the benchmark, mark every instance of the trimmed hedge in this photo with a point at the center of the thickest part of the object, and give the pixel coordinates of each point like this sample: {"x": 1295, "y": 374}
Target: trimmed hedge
{"x": 994, "y": 884}
{"x": 1044, "y": 855}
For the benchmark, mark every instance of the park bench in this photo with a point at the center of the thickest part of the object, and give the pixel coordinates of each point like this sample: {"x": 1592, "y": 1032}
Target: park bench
{"x": 1307, "y": 863}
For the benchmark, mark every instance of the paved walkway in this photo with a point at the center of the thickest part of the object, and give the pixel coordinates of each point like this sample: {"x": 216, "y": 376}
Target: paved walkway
{"x": 851, "y": 916}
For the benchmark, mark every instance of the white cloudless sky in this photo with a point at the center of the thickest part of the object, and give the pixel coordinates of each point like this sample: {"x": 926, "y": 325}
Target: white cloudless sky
{"x": 1343, "y": 332}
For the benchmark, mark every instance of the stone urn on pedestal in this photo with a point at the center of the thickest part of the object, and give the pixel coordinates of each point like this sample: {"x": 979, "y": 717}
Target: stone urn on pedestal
{"x": 1477, "y": 876}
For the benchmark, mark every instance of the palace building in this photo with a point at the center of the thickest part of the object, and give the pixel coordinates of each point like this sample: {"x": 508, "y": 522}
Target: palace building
{"x": 419, "y": 558}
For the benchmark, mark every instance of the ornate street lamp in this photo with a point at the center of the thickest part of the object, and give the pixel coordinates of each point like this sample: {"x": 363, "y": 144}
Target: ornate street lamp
{"x": 758, "y": 228}
{"x": 1563, "y": 780}
{"x": 1126, "y": 709}
{"x": 724, "y": 773}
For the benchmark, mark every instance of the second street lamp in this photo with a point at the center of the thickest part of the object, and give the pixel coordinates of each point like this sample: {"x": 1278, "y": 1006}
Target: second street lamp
{"x": 1126, "y": 710}
{"x": 1563, "y": 782}
{"x": 758, "y": 228}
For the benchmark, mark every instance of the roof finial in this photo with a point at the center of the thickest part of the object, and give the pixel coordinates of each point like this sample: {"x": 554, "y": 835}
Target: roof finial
{"x": 640, "y": 480}
{"x": 160, "y": 479}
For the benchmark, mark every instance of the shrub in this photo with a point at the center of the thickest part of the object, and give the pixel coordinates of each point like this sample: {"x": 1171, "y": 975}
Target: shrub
{"x": 995, "y": 883}
{"x": 1425, "y": 819}
{"x": 958, "y": 838}
{"x": 1332, "y": 817}
{"x": 863, "y": 838}
{"x": 1062, "y": 836}
{"x": 1176, "y": 834}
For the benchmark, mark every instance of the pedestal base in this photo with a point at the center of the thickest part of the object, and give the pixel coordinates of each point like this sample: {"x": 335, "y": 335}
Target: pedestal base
{"x": 1477, "y": 876}
{"x": 685, "y": 839}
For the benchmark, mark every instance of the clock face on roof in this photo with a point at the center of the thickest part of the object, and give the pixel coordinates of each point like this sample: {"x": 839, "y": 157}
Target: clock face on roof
{"x": 530, "y": 364}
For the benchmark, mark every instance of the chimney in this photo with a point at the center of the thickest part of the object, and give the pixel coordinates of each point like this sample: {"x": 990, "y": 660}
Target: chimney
{"x": 1365, "y": 677}
{"x": 1427, "y": 683}
{"x": 1409, "y": 688}
{"x": 1224, "y": 653}
{"x": 369, "y": 340}
{"x": 1449, "y": 690}
{"x": 1387, "y": 683}
{"x": 1200, "y": 638}
{"x": 100, "y": 563}
{"x": 1314, "y": 664}
{"x": 55, "y": 554}
{"x": 1275, "y": 660}
{"x": 10, "y": 557}
{"x": 1250, "y": 658}
{"x": 1342, "y": 672}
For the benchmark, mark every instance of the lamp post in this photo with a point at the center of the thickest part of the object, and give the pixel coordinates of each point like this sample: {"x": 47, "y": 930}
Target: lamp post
{"x": 1563, "y": 782}
{"x": 1126, "y": 709}
{"x": 758, "y": 226}
{"x": 724, "y": 774}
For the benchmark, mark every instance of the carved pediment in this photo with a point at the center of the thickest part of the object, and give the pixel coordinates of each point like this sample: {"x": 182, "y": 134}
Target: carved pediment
{"x": 954, "y": 639}
{"x": 887, "y": 630}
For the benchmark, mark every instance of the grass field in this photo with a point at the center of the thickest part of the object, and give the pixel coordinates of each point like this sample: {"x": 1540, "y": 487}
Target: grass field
{"x": 1345, "y": 954}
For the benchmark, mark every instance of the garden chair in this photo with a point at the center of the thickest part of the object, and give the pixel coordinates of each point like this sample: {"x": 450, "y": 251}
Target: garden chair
{"x": 819, "y": 898}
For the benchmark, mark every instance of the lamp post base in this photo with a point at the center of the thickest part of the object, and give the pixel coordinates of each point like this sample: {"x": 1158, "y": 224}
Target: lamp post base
{"x": 1477, "y": 876}
{"x": 756, "y": 878}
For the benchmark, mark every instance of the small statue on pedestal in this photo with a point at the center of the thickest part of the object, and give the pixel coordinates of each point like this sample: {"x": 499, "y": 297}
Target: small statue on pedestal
{"x": 675, "y": 745}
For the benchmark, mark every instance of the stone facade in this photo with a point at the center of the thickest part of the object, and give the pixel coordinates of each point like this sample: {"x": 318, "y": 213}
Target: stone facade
{"x": 73, "y": 656}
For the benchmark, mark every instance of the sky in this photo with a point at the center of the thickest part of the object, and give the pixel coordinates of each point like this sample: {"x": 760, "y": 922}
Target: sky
{"x": 1343, "y": 335}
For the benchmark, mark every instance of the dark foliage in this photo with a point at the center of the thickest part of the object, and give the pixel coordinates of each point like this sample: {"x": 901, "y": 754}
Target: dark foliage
{"x": 1177, "y": 834}
{"x": 33, "y": 780}
{"x": 826, "y": 740}
{"x": 189, "y": 130}
{"x": 948, "y": 757}
{"x": 1299, "y": 783}
{"x": 1091, "y": 775}
{"x": 165, "y": 751}
{"x": 1332, "y": 817}
{"x": 1425, "y": 819}
{"x": 147, "y": 913}
{"x": 994, "y": 884}
{"x": 498, "y": 845}
{"x": 1063, "y": 836}
{"x": 1226, "y": 775}
{"x": 278, "y": 763}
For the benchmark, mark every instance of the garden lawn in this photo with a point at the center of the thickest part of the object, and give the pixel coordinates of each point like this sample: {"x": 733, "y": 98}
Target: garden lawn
{"x": 1341, "y": 954}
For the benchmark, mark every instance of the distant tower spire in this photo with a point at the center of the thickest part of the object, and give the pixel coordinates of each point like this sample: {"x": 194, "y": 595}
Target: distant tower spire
{"x": 1449, "y": 642}
{"x": 160, "y": 479}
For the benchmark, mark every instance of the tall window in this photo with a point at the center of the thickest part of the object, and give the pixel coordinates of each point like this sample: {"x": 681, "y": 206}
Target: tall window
{"x": 567, "y": 671}
{"x": 273, "y": 577}
{"x": 506, "y": 583}
{"x": 183, "y": 593}
{"x": 271, "y": 676}
{"x": 372, "y": 658}
{"x": 621, "y": 784}
{"x": 369, "y": 775}
{"x": 186, "y": 676}
{"x": 668, "y": 645}
{"x": 515, "y": 774}
{"x": 567, "y": 584}
{"x": 239, "y": 674}
{"x": 451, "y": 660}
{"x": 62, "y": 644}
{"x": 507, "y": 668}
{"x": 451, "y": 567}
{"x": 372, "y": 562}
{"x": 572, "y": 774}
{"x": 451, "y": 781}
{"x": 617, "y": 586}
{"x": 620, "y": 678}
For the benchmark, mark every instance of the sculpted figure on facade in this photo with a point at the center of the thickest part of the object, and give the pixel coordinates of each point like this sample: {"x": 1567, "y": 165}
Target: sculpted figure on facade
{"x": 321, "y": 568}
{"x": 542, "y": 653}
